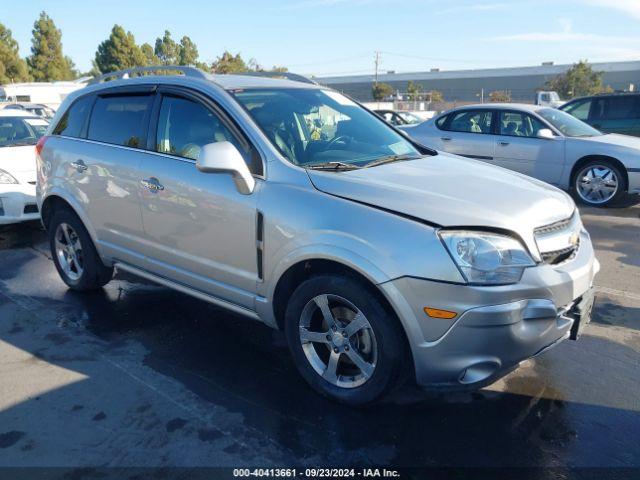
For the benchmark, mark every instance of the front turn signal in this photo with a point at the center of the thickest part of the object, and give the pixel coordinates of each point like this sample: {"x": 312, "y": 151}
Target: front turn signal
{"x": 438, "y": 313}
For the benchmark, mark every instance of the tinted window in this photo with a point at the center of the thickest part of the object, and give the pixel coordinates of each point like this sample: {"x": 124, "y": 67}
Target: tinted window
{"x": 580, "y": 109}
{"x": 615, "y": 108}
{"x": 471, "y": 121}
{"x": 121, "y": 120}
{"x": 73, "y": 119}
{"x": 185, "y": 126}
{"x": 441, "y": 121}
{"x": 517, "y": 124}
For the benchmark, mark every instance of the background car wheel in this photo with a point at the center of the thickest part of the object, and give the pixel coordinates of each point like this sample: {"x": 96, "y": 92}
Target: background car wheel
{"x": 74, "y": 254}
{"x": 599, "y": 183}
{"x": 344, "y": 342}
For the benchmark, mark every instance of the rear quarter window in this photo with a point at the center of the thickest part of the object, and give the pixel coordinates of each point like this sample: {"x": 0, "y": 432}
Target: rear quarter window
{"x": 120, "y": 120}
{"x": 73, "y": 120}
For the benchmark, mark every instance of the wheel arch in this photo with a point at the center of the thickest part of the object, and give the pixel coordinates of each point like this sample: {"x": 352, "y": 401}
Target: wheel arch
{"x": 56, "y": 200}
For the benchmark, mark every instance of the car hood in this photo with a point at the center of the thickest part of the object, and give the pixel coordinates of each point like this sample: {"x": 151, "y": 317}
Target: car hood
{"x": 451, "y": 191}
{"x": 20, "y": 162}
{"x": 613, "y": 139}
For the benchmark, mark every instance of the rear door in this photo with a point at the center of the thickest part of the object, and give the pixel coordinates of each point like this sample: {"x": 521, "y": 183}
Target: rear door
{"x": 616, "y": 114}
{"x": 102, "y": 167}
{"x": 200, "y": 231}
{"x": 468, "y": 133}
{"x": 518, "y": 147}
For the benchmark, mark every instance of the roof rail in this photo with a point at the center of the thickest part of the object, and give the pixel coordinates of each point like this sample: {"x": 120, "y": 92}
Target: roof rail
{"x": 288, "y": 75}
{"x": 185, "y": 70}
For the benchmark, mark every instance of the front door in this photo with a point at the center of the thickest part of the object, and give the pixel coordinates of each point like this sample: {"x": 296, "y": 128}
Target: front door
{"x": 200, "y": 230}
{"x": 518, "y": 147}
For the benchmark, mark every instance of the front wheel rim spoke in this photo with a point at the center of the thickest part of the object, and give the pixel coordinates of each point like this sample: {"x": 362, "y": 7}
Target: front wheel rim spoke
{"x": 358, "y": 323}
{"x": 308, "y": 336}
{"x": 331, "y": 372}
{"x": 365, "y": 367}
{"x": 323, "y": 304}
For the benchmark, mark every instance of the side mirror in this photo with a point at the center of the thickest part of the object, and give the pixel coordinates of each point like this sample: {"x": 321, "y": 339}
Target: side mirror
{"x": 546, "y": 134}
{"x": 224, "y": 157}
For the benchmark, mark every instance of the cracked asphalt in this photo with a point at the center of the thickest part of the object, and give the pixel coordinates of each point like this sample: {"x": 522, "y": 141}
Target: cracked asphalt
{"x": 137, "y": 375}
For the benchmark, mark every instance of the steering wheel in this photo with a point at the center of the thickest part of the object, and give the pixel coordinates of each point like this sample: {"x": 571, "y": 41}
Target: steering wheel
{"x": 340, "y": 138}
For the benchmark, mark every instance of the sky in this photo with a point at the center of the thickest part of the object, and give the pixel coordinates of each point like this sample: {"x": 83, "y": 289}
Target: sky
{"x": 339, "y": 37}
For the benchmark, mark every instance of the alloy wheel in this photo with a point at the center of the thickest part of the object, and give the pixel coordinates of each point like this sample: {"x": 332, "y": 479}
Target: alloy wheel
{"x": 338, "y": 341}
{"x": 69, "y": 251}
{"x": 597, "y": 184}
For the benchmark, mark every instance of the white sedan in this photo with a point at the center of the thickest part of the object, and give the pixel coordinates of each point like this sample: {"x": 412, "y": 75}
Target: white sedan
{"x": 19, "y": 133}
{"x": 541, "y": 142}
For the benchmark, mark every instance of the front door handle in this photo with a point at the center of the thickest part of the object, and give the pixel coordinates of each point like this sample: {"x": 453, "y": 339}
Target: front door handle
{"x": 152, "y": 184}
{"x": 79, "y": 165}
{"x": 504, "y": 144}
{"x": 446, "y": 139}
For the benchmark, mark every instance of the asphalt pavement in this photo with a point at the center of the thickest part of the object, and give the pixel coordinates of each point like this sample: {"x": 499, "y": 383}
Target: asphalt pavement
{"x": 138, "y": 375}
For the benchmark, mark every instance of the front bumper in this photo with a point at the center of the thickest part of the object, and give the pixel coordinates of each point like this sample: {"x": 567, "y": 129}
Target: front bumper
{"x": 634, "y": 180}
{"x": 18, "y": 203}
{"x": 497, "y": 327}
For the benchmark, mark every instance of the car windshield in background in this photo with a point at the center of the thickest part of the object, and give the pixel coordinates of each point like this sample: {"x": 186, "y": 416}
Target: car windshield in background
{"x": 312, "y": 127}
{"x": 568, "y": 124}
{"x": 410, "y": 118}
{"x": 17, "y": 131}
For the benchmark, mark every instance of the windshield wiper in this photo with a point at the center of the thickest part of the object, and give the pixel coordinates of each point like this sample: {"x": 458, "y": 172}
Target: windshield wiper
{"x": 392, "y": 158}
{"x": 333, "y": 166}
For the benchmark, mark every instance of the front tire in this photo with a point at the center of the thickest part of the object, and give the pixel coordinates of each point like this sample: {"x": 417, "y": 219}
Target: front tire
{"x": 74, "y": 254}
{"x": 344, "y": 342}
{"x": 599, "y": 183}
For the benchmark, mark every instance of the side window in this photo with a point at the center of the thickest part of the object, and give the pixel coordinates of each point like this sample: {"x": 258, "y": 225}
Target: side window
{"x": 580, "y": 110}
{"x": 185, "y": 126}
{"x": 471, "y": 121}
{"x": 120, "y": 120}
{"x": 620, "y": 108}
{"x": 441, "y": 121}
{"x": 71, "y": 123}
{"x": 517, "y": 124}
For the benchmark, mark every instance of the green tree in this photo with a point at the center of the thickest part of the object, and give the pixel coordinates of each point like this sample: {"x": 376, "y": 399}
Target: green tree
{"x": 435, "y": 96}
{"x": 381, "y": 90}
{"x": 578, "y": 81}
{"x": 414, "y": 90}
{"x": 119, "y": 51}
{"x": 167, "y": 50}
{"x": 279, "y": 69}
{"x": 229, "y": 63}
{"x": 150, "y": 58}
{"x": 187, "y": 52}
{"x": 47, "y": 62}
{"x": 500, "y": 96}
{"x": 12, "y": 67}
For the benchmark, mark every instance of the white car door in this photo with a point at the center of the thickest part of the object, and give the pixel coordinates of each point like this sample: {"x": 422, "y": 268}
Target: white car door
{"x": 518, "y": 147}
{"x": 468, "y": 133}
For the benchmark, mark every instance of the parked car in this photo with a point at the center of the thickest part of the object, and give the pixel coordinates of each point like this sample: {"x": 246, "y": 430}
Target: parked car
{"x": 541, "y": 142}
{"x": 548, "y": 99}
{"x": 19, "y": 132}
{"x": 399, "y": 118}
{"x": 32, "y": 108}
{"x": 609, "y": 113}
{"x": 380, "y": 259}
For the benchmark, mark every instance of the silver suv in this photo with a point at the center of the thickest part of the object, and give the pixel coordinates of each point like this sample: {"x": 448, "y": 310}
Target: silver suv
{"x": 290, "y": 204}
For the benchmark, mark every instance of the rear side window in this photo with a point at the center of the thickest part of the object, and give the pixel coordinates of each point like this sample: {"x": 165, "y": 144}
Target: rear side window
{"x": 471, "y": 121}
{"x": 120, "y": 120}
{"x": 615, "y": 108}
{"x": 73, "y": 120}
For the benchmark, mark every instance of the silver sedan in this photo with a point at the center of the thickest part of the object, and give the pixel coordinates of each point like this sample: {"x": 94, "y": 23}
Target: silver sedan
{"x": 541, "y": 142}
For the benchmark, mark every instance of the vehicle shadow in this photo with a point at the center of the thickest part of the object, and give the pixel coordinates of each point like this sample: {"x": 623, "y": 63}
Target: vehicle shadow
{"x": 243, "y": 368}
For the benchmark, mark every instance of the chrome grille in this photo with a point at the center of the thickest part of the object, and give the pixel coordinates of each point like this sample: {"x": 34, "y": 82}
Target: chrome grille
{"x": 559, "y": 242}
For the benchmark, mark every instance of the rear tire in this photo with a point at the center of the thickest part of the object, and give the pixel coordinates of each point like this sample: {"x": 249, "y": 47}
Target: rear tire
{"x": 599, "y": 183}
{"x": 74, "y": 254}
{"x": 344, "y": 342}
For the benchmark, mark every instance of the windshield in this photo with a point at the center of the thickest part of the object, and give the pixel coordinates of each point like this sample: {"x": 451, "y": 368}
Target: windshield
{"x": 567, "y": 124}
{"x": 311, "y": 127}
{"x": 16, "y": 131}
{"x": 410, "y": 118}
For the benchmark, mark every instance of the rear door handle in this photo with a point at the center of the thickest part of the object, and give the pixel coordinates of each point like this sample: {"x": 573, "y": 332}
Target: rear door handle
{"x": 152, "y": 184}
{"x": 79, "y": 165}
{"x": 446, "y": 139}
{"x": 504, "y": 144}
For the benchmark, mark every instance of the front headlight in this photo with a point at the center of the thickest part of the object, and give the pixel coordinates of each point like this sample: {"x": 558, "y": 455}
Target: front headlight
{"x": 486, "y": 258}
{"x": 5, "y": 178}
